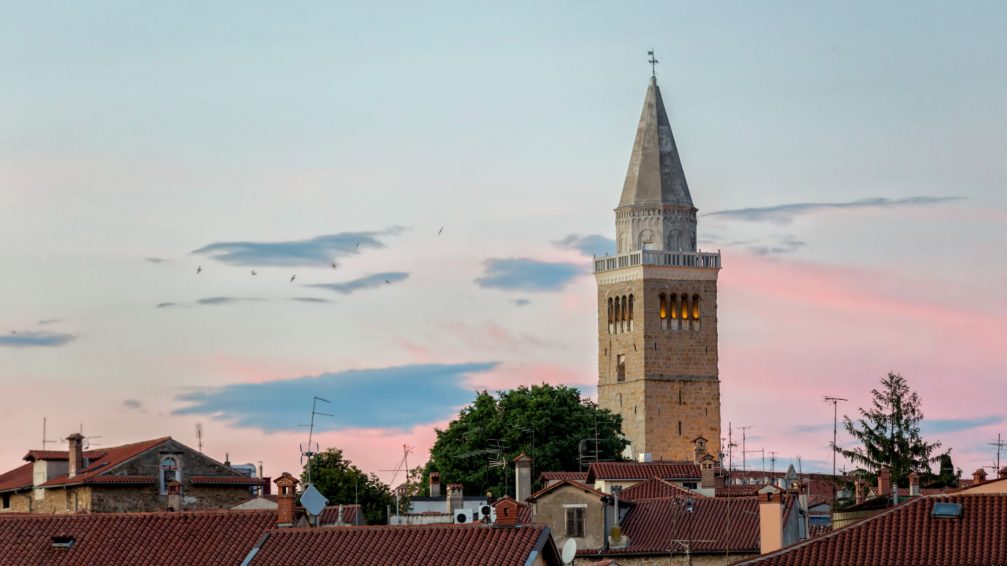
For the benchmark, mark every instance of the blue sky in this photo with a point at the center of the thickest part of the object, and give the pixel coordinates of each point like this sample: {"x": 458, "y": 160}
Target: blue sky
{"x": 845, "y": 158}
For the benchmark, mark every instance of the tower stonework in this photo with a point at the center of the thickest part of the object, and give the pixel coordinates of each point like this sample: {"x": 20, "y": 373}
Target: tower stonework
{"x": 657, "y": 305}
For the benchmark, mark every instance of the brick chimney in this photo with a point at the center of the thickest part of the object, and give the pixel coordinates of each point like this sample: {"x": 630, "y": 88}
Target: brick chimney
{"x": 699, "y": 449}
{"x": 522, "y": 476}
{"x": 1002, "y": 473}
{"x": 770, "y": 521}
{"x": 435, "y": 484}
{"x": 859, "y": 490}
{"x": 506, "y": 509}
{"x": 455, "y": 499}
{"x": 708, "y": 472}
{"x": 978, "y": 476}
{"x": 174, "y": 495}
{"x": 75, "y": 448}
{"x": 914, "y": 484}
{"x": 884, "y": 482}
{"x": 286, "y": 500}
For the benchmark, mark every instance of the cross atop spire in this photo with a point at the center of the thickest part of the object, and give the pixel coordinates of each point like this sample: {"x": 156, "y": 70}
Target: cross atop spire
{"x": 653, "y": 64}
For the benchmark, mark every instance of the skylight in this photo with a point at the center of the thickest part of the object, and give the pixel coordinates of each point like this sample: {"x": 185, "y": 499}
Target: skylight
{"x": 946, "y": 510}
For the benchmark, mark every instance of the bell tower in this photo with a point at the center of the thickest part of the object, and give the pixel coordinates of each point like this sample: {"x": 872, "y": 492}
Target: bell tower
{"x": 657, "y": 304}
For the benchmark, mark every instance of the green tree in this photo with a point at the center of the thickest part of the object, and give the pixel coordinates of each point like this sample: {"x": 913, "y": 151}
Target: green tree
{"x": 554, "y": 418}
{"x": 889, "y": 434}
{"x": 342, "y": 482}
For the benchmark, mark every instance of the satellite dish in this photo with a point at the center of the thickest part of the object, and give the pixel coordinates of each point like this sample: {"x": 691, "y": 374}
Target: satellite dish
{"x": 569, "y": 550}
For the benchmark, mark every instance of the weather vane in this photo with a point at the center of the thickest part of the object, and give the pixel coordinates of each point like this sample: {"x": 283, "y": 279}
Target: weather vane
{"x": 653, "y": 64}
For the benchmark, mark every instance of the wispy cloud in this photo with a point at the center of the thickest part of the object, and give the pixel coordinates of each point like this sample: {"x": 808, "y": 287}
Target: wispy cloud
{"x": 310, "y": 300}
{"x": 156, "y": 259}
{"x": 367, "y": 282}
{"x": 784, "y": 245}
{"x": 521, "y": 302}
{"x": 318, "y": 251}
{"x": 220, "y": 301}
{"x": 523, "y": 274}
{"x": 589, "y": 245}
{"x": 785, "y": 213}
{"x": 956, "y": 425}
{"x": 31, "y": 339}
{"x": 132, "y": 405}
{"x": 212, "y": 301}
{"x": 394, "y": 397}
{"x": 47, "y": 321}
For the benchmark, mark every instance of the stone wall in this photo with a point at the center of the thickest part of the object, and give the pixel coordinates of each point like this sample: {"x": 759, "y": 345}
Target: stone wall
{"x": 676, "y": 560}
{"x": 550, "y": 510}
{"x": 671, "y": 367}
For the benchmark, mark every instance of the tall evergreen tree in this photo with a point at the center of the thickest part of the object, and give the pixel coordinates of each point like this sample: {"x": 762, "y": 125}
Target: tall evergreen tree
{"x": 889, "y": 433}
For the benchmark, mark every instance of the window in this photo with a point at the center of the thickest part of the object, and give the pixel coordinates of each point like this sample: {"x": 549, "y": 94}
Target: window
{"x": 679, "y": 427}
{"x": 695, "y": 307}
{"x": 664, "y": 306}
{"x": 630, "y": 316}
{"x": 6, "y": 501}
{"x": 618, "y": 313}
{"x": 169, "y": 471}
{"x": 685, "y": 307}
{"x": 673, "y": 306}
{"x": 690, "y": 485}
{"x": 575, "y": 522}
{"x": 679, "y": 396}
{"x": 620, "y": 367}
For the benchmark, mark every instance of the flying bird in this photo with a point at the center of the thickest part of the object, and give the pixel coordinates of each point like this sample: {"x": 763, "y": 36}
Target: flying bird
{"x": 334, "y": 265}
{"x": 387, "y": 282}
{"x": 254, "y": 273}
{"x": 439, "y": 231}
{"x": 199, "y": 270}
{"x": 292, "y": 277}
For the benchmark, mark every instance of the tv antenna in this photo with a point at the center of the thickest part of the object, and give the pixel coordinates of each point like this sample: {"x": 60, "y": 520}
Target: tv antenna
{"x": 45, "y": 439}
{"x": 744, "y": 440}
{"x": 403, "y": 466}
{"x": 87, "y": 444}
{"x": 835, "y": 419}
{"x": 495, "y": 455}
{"x": 310, "y": 449}
{"x": 199, "y": 436}
{"x": 731, "y": 445}
{"x": 999, "y": 444}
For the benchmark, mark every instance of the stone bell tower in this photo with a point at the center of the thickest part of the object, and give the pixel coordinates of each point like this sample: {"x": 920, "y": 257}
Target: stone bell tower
{"x": 657, "y": 304}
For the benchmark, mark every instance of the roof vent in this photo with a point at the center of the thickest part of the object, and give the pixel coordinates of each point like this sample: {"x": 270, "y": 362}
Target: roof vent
{"x": 62, "y": 541}
{"x": 946, "y": 510}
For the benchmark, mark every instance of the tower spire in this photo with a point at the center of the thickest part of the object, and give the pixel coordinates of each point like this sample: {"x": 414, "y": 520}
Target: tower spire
{"x": 653, "y": 64}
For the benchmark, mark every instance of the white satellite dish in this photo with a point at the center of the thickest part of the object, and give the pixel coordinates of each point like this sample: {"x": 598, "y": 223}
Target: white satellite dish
{"x": 569, "y": 550}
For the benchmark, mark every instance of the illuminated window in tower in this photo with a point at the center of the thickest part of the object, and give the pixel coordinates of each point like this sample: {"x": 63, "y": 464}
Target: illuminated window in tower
{"x": 631, "y": 313}
{"x": 664, "y": 306}
{"x": 620, "y": 367}
{"x": 618, "y": 312}
{"x": 695, "y": 307}
{"x": 610, "y": 315}
{"x": 685, "y": 307}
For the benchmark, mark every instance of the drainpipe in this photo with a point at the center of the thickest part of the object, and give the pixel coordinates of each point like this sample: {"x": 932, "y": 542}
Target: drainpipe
{"x": 604, "y": 514}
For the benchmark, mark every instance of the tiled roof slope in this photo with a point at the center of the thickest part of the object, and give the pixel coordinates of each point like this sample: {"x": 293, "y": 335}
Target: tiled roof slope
{"x": 908, "y": 534}
{"x": 57, "y": 455}
{"x": 426, "y": 545}
{"x": 330, "y": 515}
{"x": 653, "y": 523}
{"x": 109, "y": 458}
{"x": 18, "y": 478}
{"x": 656, "y": 488}
{"x": 559, "y": 476}
{"x": 738, "y": 490}
{"x": 226, "y": 480}
{"x": 128, "y": 539}
{"x": 613, "y": 471}
{"x": 582, "y": 486}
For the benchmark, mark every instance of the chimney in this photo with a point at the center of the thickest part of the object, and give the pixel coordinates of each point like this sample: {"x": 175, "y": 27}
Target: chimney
{"x": 978, "y": 476}
{"x": 699, "y": 449}
{"x": 1002, "y": 473}
{"x": 859, "y": 489}
{"x": 707, "y": 472}
{"x": 75, "y": 447}
{"x": 522, "y": 476}
{"x": 455, "y": 500}
{"x": 884, "y": 482}
{"x": 914, "y": 484}
{"x": 174, "y": 495}
{"x": 770, "y": 521}
{"x": 506, "y": 509}
{"x": 286, "y": 500}
{"x": 435, "y": 484}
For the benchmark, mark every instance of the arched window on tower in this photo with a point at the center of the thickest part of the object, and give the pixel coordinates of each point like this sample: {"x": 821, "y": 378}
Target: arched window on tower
{"x": 663, "y": 306}
{"x": 169, "y": 471}
{"x": 618, "y": 313}
{"x": 631, "y": 313}
{"x": 673, "y": 309}
{"x": 695, "y": 312}
{"x": 685, "y": 307}
{"x": 611, "y": 326}
{"x": 622, "y": 321}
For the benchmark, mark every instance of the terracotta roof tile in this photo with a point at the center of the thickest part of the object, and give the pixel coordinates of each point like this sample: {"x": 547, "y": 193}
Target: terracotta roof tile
{"x": 226, "y": 480}
{"x": 732, "y": 524}
{"x": 559, "y": 476}
{"x": 57, "y": 455}
{"x": 583, "y": 486}
{"x": 656, "y": 488}
{"x": 18, "y": 478}
{"x": 330, "y": 515}
{"x": 109, "y": 458}
{"x": 908, "y": 534}
{"x": 612, "y": 471}
{"x": 413, "y": 545}
{"x": 127, "y": 539}
{"x": 749, "y": 490}
{"x": 120, "y": 479}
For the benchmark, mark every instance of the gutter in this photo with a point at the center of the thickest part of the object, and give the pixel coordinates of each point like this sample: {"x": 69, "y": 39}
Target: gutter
{"x": 534, "y": 554}
{"x": 255, "y": 549}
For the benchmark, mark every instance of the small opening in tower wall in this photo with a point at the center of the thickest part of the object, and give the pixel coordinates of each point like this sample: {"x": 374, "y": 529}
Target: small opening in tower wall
{"x": 611, "y": 317}
{"x": 620, "y": 367}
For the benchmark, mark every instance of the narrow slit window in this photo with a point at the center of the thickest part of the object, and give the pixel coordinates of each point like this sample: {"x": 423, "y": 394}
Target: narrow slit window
{"x": 695, "y": 307}
{"x": 673, "y": 306}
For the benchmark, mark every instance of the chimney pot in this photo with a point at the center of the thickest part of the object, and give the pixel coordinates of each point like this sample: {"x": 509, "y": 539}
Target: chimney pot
{"x": 914, "y": 484}
{"x": 174, "y": 495}
{"x": 979, "y": 476}
{"x": 884, "y": 482}
{"x": 455, "y": 499}
{"x": 506, "y": 510}
{"x": 435, "y": 484}
{"x": 75, "y": 448}
{"x": 286, "y": 500}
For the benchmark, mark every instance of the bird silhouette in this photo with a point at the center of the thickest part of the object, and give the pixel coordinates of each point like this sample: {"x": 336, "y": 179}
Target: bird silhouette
{"x": 254, "y": 273}
{"x": 387, "y": 282}
{"x": 334, "y": 265}
{"x": 199, "y": 270}
{"x": 292, "y": 277}
{"x": 439, "y": 231}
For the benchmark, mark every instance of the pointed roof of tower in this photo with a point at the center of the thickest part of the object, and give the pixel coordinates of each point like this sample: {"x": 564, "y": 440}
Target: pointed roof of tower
{"x": 655, "y": 173}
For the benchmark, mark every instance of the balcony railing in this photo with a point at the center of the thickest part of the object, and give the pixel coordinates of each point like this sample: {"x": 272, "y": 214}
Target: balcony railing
{"x": 709, "y": 260}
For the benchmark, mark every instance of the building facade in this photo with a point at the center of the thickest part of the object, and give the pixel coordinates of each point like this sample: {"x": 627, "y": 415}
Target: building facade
{"x": 657, "y": 305}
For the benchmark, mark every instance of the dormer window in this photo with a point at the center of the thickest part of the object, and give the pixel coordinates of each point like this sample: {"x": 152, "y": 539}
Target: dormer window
{"x": 169, "y": 471}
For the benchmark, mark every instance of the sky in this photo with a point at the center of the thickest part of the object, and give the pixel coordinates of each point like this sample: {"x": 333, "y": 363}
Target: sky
{"x": 213, "y": 213}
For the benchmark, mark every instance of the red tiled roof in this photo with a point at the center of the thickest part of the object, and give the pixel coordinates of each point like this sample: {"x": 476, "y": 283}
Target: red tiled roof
{"x": 18, "y": 478}
{"x": 582, "y": 486}
{"x": 330, "y": 515}
{"x": 732, "y": 524}
{"x": 413, "y": 545}
{"x": 559, "y": 476}
{"x": 738, "y": 490}
{"x": 120, "y": 479}
{"x": 656, "y": 488}
{"x": 109, "y": 458}
{"x": 228, "y": 480}
{"x": 127, "y": 539}
{"x": 57, "y": 455}
{"x": 611, "y": 471}
{"x": 908, "y": 534}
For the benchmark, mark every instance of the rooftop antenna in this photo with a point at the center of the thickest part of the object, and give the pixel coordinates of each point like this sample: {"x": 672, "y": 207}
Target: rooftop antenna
{"x": 199, "y": 436}
{"x": 310, "y": 449}
{"x": 45, "y": 439}
{"x": 653, "y": 64}
{"x": 494, "y": 453}
{"x": 772, "y": 463}
{"x": 999, "y": 444}
{"x": 87, "y": 444}
{"x": 530, "y": 430}
{"x": 403, "y": 466}
{"x": 744, "y": 439}
{"x": 835, "y": 419}
{"x": 731, "y": 445}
